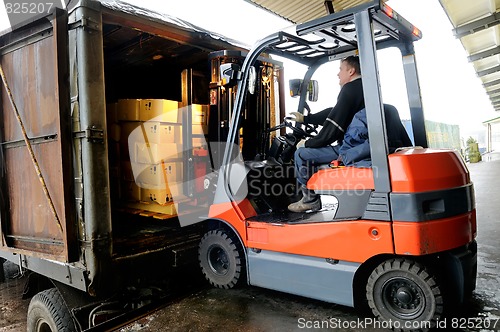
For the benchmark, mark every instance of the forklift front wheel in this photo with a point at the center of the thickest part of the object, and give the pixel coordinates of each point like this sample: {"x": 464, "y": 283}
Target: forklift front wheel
{"x": 221, "y": 261}
{"x": 404, "y": 292}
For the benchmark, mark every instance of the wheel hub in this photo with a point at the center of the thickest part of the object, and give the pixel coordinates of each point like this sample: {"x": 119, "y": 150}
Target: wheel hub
{"x": 404, "y": 295}
{"x": 403, "y": 298}
{"x": 218, "y": 260}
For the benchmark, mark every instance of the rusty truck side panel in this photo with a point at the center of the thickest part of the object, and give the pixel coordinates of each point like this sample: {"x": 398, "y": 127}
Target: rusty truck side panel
{"x": 35, "y": 64}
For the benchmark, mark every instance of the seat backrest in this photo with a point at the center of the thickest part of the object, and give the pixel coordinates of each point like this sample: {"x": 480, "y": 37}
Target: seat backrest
{"x": 397, "y": 136}
{"x": 355, "y": 149}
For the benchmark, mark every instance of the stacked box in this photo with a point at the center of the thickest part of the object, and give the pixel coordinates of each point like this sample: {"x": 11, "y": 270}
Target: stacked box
{"x": 130, "y": 131}
{"x": 154, "y": 153}
{"x": 199, "y": 114}
{"x": 130, "y": 191}
{"x": 151, "y": 149}
{"x": 159, "y": 132}
{"x": 128, "y": 109}
{"x": 160, "y": 110}
{"x": 199, "y": 119}
{"x": 162, "y": 194}
{"x": 163, "y": 173}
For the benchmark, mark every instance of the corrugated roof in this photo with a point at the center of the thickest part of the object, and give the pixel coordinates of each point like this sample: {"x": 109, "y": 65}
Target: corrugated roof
{"x": 300, "y": 11}
{"x": 295, "y": 11}
{"x": 476, "y": 25}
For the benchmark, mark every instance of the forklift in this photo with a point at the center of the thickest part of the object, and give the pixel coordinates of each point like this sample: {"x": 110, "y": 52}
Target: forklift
{"x": 397, "y": 238}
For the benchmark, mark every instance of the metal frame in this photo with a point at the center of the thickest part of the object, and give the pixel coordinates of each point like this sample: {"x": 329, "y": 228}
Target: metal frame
{"x": 92, "y": 109}
{"x": 484, "y": 54}
{"x": 375, "y": 30}
{"x": 478, "y": 25}
{"x": 488, "y": 71}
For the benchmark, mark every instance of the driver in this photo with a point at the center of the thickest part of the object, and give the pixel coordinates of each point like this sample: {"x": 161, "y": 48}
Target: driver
{"x": 320, "y": 149}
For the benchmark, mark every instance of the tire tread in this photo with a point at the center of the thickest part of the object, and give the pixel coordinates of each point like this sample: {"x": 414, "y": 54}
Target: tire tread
{"x": 52, "y": 300}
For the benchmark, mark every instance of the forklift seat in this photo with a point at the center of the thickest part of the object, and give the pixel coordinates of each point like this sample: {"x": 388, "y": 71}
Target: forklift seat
{"x": 342, "y": 178}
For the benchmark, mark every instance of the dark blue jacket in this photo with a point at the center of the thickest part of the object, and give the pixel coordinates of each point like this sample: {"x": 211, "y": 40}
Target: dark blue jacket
{"x": 355, "y": 149}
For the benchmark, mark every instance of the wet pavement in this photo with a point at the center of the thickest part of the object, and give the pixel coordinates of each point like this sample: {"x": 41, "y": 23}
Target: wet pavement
{"x": 255, "y": 309}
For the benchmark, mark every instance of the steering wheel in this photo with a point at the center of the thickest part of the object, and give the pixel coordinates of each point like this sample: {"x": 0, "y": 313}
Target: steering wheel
{"x": 306, "y": 132}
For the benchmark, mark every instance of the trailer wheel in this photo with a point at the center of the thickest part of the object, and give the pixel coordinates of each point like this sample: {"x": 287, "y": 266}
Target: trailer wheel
{"x": 401, "y": 290}
{"x": 221, "y": 261}
{"x": 47, "y": 312}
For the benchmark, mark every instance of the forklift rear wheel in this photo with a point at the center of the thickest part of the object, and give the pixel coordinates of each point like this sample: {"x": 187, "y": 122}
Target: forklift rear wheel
{"x": 404, "y": 291}
{"x": 47, "y": 312}
{"x": 220, "y": 260}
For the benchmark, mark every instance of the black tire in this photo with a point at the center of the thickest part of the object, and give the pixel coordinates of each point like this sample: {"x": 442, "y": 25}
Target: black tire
{"x": 221, "y": 259}
{"x": 47, "y": 312}
{"x": 404, "y": 291}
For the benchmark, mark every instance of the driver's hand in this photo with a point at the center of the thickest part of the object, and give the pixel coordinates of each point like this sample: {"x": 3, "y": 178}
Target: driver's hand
{"x": 297, "y": 117}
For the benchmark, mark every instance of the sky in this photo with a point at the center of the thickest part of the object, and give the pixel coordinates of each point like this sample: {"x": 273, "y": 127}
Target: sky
{"x": 451, "y": 91}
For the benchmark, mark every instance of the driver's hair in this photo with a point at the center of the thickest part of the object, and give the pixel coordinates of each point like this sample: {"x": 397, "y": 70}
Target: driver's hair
{"x": 353, "y": 61}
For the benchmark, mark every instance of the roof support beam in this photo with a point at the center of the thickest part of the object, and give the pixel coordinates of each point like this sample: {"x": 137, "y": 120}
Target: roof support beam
{"x": 488, "y": 71}
{"x": 478, "y": 25}
{"x": 484, "y": 54}
{"x": 494, "y": 95}
{"x": 492, "y": 83}
{"x": 492, "y": 92}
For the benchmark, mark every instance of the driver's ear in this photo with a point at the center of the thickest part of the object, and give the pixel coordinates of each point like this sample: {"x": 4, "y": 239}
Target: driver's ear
{"x": 352, "y": 71}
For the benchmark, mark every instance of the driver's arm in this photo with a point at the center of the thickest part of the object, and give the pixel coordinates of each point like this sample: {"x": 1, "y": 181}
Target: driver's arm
{"x": 349, "y": 102}
{"x": 317, "y": 118}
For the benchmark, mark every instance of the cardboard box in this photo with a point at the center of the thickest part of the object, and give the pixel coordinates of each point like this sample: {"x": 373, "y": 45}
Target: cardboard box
{"x": 128, "y": 109}
{"x": 126, "y": 171}
{"x": 153, "y": 153}
{"x": 161, "y": 110}
{"x": 130, "y": 191}
{"x": 163, "y": 194}
{"x": 130, "y": 133}
{"x": 199, "y": 113}
{"x": 199, "y": 129}
{"x": 199, "y": 142}
{"x": 161, "y": 174}
{"x": 159, "y": 132}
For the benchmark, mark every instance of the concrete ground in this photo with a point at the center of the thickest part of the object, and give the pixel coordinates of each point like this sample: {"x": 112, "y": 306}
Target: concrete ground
{"x": 255, "y": 309}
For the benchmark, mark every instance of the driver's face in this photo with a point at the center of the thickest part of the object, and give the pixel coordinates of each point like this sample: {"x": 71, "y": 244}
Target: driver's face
{"x": 345, "y": 73}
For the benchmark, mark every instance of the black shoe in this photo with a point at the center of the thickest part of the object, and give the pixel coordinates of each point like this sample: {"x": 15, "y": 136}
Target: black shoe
{"x": 300, "y": 206}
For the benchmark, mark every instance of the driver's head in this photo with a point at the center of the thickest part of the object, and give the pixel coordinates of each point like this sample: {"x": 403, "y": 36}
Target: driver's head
{"x": 349, "y": 70}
